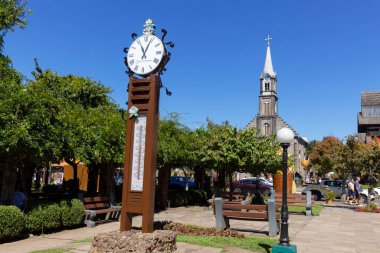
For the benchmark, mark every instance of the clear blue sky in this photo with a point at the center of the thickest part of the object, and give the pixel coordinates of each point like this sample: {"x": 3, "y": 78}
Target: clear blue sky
{"x": 325, "y": 54}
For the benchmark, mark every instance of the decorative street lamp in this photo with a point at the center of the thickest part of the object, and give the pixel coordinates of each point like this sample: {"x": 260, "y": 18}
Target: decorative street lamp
{"x": 284, "y": 136}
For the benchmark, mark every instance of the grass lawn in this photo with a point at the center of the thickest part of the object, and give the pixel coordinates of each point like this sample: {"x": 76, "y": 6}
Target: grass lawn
{"x": 54, "y": 250}
{"x": 299, "y": 209}
{"x": 88, "y": 239}
{"x": 263, "y": 244}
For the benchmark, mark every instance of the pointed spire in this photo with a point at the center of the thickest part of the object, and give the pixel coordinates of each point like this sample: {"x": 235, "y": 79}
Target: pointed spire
{"x": 268, "y": 67}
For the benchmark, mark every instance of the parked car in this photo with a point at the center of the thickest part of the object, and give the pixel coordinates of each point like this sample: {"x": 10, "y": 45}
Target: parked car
{"x": 376, "y": 191}
{"x": 246, "y": 185}
{"x": 179, "y": 183}
{"x": 318, "y": 190}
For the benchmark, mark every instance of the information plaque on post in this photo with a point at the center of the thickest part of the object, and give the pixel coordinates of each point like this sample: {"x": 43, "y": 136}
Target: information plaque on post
{"x": 146, "y": 57}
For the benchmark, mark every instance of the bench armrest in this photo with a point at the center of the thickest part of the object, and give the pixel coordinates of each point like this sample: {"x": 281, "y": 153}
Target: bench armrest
{"x": 91, "y": 213}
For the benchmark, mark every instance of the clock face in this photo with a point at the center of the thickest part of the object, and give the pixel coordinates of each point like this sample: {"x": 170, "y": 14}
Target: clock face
{"x": 266, "y": 77}
{"x": 145, "y": 54}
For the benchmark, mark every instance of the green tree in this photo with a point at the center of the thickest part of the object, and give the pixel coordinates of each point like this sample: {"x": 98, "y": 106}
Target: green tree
{"x": 12, "y": 15}
{"x": 13, "y": 130}
{"x": 81, "y": 123}
{"x": 324, "y": 156}
{"x": 228, "y": 150}
{"x": 172, "y": 152}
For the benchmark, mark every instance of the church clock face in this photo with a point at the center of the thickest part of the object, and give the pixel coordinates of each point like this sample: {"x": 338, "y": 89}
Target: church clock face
{"x": 145, "y": 54}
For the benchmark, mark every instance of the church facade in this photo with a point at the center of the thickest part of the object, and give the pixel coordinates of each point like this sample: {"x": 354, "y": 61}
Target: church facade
{"x": 268, "y": 121}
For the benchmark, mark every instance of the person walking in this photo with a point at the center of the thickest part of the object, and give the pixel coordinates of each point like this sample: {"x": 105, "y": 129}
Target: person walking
{"x": 357, "y": 190}
{"x": 351, "y": 192}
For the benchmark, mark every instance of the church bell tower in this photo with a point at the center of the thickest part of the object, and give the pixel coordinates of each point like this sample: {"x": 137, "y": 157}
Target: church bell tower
{"x": 268, "y": 96}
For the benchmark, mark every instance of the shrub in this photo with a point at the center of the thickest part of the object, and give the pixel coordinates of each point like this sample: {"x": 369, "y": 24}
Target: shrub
{"x": 373, "y": 206}
{"x": 329, "y": 195}
{"x": 44, "y": 217}
{"x": 177, "y": 198}
{"x": 71, "y": 212}
{"x": 183, "y": 198}
{"x": 12, "y": 222}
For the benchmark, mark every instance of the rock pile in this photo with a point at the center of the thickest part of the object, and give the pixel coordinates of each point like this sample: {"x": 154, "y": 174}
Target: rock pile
{"x": 134, "y": 241}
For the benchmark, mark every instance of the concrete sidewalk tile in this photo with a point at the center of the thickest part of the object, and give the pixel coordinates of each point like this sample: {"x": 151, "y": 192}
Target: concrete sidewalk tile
{"x": 345, "y": 243}
{"x": 190, "y": 248}
{"x": 373, "y": 249}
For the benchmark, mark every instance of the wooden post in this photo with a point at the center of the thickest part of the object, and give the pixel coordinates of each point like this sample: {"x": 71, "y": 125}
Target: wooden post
{"x": 143, "y": 94}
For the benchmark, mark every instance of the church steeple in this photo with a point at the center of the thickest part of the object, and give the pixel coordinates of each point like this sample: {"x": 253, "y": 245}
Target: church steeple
{"x": 268, "y": 94}
{"x": 268, "y": 66}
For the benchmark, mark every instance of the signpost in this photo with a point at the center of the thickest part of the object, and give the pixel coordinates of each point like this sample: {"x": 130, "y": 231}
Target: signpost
{"x": 147, "y": 58}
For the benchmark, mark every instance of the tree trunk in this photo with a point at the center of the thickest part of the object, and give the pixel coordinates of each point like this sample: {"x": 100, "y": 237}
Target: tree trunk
{"x": 8, "y": 181}
{"x": 93, "y": 171}
{"x": 230, "y": 182}
{"x": 37, "y": 182}
{"x": 110, "y": 182}
{"x": 199, "y": 176}
{"x": 186, "y": 179}
{"x": 26, "y": 177}
{"x": 162, "y": 187}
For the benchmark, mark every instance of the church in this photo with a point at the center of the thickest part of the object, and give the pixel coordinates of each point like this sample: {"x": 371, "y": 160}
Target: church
{"x": 268, "y": 121}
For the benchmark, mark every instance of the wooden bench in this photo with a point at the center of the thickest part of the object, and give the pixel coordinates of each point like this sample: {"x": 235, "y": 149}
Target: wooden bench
{"x": 298, "y": 200}
{"x": 237, "y": 199}
{"x": 99, "y": 208}
{"x": 226, "y": 210}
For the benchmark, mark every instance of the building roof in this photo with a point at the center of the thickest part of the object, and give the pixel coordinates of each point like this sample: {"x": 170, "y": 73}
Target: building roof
{"x": 370, "y": 98}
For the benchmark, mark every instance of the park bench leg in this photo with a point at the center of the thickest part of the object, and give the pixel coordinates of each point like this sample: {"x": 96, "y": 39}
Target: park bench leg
{"x": 220, "y": 221}
{"x": 272, "y": 220}
{"x": 308, "y": 204}
{"x": 227, "y": 222}
{"x": 90, "y": 219}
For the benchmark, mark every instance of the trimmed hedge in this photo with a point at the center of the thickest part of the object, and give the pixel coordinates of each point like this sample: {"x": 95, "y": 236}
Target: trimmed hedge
{"x": 12, "y": 222}
{"x": 44, "y": 217}
{"x": 71, "y": 212}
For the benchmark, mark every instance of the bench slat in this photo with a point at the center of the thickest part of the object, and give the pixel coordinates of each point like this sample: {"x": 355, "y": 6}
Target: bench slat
{"x": 248, "y": 207}
{"x": 95, "y": 199}
{"x": 106, "y": 210}
{"x": 245, "y": 215}
{"x": 96, "y": 206}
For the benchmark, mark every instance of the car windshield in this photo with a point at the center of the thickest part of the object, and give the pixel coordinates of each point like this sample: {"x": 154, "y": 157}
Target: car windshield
{"x": 265, "y": 181}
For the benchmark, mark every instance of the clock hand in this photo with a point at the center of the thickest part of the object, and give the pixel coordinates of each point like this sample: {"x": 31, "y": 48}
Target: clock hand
{"x": 146, "y": 49}
{"x": 142, "y": 49}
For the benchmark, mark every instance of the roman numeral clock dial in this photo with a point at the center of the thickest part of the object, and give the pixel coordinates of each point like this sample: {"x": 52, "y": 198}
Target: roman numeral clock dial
{"x": 145, "y": 54}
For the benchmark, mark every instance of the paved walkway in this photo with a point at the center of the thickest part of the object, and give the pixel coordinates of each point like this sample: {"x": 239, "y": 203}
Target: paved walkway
{"x": 337, "y": 229}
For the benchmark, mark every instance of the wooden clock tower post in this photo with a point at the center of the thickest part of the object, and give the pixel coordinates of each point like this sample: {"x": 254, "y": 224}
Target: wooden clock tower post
{"x": 146, "y": 57}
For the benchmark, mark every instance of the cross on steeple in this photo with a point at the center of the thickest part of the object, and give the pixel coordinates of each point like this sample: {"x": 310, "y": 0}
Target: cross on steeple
{"x": 268, "y": 40}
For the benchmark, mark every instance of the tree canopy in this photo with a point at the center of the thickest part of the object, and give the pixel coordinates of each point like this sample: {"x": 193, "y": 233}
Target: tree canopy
{"x": 344, "y": 158}
{"x": 12, "y": 15}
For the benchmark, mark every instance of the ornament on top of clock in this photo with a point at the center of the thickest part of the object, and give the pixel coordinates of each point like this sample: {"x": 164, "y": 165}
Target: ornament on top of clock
{"x": 148, "y": 53}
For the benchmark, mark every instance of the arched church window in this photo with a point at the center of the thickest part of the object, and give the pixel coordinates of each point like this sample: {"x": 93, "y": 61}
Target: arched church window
{"x": 266, "y": 129}
{"x": 266, "y": 87}
{"x": 266, "y": 108}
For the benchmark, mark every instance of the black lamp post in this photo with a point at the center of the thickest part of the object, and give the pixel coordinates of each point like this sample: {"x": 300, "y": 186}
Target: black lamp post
{"x": 284, "y": 136}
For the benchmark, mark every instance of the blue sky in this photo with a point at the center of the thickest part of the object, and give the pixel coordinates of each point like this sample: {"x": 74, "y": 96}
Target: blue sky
{"x": 325, "y": 54}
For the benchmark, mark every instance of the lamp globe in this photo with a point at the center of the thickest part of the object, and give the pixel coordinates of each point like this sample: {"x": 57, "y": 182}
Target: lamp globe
{"x": 285, "y": 135}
